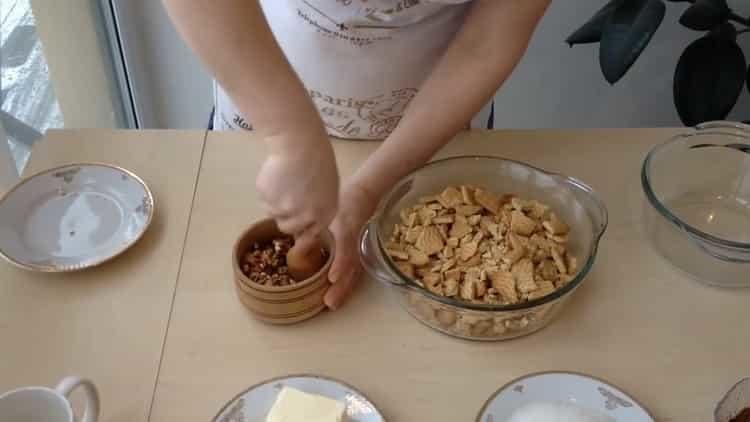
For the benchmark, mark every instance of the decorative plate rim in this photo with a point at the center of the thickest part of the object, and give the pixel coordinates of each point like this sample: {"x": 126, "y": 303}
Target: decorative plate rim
{"x": 725, "y": 397}
{"x": 117, "y": 252}
{"x": 536, "y": 374}
{"x": 283, "y": 377}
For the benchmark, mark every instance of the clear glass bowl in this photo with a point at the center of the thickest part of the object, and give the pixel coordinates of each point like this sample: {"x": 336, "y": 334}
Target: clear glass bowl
{"x": 698, "y": 190}
{"x": 572, "y": 200}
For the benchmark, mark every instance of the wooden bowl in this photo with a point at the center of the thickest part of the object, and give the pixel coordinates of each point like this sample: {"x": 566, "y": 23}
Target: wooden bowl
{"x": 280, "y": 304}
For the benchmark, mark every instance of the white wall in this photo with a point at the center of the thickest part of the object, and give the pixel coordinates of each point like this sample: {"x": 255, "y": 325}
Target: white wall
{"x": 554, "y": 86}
{"x": 172, "y": 89}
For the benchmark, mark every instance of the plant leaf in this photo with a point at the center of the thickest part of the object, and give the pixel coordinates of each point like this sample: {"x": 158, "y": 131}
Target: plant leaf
{"x": 591, "y": 31}
{"x": 726, "y": 31}
{"x": 708, "y": 80}
{"x": 626, "y": 34}
{"x": 705, "y": 14}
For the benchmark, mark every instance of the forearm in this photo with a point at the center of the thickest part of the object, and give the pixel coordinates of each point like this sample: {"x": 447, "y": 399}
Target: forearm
{"x": 483, "y": 54}
{"x": 233, "y": 39}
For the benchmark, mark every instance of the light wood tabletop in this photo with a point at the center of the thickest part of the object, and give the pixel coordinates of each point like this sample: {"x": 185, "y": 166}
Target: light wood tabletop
{"x": 108, "y": 323}
{"x": 672, "y": 343}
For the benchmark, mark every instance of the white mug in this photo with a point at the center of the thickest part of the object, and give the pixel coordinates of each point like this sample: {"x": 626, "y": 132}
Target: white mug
{"x": 42, "y": 404}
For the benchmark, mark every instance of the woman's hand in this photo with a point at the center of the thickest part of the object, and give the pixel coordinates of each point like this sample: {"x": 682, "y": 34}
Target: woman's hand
{"x": 299, "y": 186}
{"x": 355, "y": 208}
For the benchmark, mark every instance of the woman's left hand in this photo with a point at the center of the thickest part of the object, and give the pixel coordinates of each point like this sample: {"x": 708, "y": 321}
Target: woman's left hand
{"x": 356, "y": 206}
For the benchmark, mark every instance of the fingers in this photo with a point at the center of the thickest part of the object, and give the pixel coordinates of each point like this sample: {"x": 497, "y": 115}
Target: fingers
{"x": 294, "y": 226}
{"x": 346, "y": 257}
{"x": 340, "y": 291}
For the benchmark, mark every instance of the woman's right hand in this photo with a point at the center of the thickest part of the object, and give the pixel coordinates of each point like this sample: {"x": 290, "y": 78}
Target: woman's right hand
{"x": 299, "y": 185}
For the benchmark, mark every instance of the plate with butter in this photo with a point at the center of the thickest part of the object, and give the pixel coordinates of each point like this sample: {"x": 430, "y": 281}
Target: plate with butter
{"x": 303, "y": 398}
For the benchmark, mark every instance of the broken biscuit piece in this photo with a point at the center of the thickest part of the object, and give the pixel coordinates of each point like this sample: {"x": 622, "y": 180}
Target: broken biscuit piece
{"x": 477, "y": 246}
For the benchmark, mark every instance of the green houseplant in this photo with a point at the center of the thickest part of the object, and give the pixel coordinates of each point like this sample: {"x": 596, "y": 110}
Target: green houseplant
{"x": 711, "y": 72}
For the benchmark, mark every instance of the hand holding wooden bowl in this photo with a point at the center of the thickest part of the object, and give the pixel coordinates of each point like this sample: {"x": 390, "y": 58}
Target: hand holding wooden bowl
{"x": 280, "y": 299}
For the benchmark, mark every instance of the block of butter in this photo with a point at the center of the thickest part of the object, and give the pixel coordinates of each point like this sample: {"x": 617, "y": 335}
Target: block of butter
{"x": 296, "y": 406}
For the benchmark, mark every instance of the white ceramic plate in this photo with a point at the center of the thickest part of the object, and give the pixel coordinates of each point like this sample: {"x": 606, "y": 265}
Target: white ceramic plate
{"x": 73, "y": 217}
{"x": 579, "y": 389}
{"x": 254, "y": 404}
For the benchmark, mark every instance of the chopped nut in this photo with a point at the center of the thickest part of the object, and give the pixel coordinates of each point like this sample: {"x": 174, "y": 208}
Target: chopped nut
{"x": 447, "y": 252}
{"x": 452, "y": 242}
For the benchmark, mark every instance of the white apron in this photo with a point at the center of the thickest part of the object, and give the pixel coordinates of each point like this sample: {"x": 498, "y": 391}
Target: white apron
{"x": 361, "y": 61}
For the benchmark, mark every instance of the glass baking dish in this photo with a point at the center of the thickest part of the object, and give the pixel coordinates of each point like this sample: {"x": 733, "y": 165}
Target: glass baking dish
{"x": 572, "y": 200}
{"x": 697, "y": 187}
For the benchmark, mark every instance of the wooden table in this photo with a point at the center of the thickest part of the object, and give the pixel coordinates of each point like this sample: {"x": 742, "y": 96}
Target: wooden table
{"x": 674, "y": 344}
{"x": 108, "y": 323}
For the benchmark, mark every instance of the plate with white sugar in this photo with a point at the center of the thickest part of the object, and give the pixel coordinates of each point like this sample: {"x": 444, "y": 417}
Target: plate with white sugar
{"x": 561, "y": 397}
{"x": 309, "y": 397}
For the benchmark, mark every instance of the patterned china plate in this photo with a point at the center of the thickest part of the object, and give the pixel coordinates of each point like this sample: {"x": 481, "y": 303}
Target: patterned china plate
{"x": 569, "y": 387}
{"x": 253, "y": 404}
{"x": 73, "y": 217}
